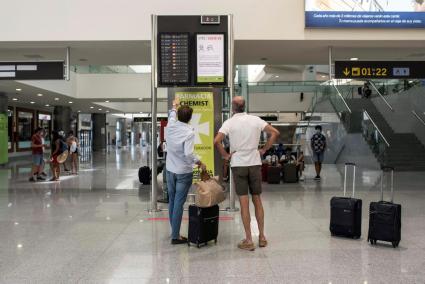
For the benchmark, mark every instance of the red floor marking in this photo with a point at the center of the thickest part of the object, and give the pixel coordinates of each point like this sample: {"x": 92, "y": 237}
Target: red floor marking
{"x": 222, "y": 218}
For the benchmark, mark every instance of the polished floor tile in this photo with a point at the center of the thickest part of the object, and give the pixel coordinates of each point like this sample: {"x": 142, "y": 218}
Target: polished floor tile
{"x": 94, "y": 228}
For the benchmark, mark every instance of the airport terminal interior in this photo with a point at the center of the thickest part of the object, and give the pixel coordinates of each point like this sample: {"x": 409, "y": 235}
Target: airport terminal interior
{"x": 88, "y": 91}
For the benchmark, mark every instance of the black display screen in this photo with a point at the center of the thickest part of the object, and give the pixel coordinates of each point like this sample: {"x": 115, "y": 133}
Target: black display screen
{"x": 174, "y": 62}
{"x": 379, "y": 69}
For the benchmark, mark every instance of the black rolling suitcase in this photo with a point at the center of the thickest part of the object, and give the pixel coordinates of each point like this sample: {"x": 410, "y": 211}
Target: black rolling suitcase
{"x": 145, "y": 175}
{"x": 290, "y": 173}
{"x": 385, "y": 217}
{"x": 346, "y": 212}
{"x": 203, "y": 225}
{"x": 273, "y": 175}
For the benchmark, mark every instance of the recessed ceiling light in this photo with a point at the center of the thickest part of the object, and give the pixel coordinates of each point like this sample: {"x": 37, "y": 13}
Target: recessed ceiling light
{"x": 100, "y": 109}
{"x": 324, "y": 76}
{"x": 354, "y": 59}
{"x": 47, "y": 105}
{"x": 32, "y": 103}
{"x": 79, "y": 111}
{"x": 14, "y": 99}
{"x": 141, "y": 112}
{"x": 19, "y": 246}
{"x": 56, "y": 99}
{"x": 140, "y": 99}
{"x": 19, "y": 90}
{"x": 70, "y": 102}
{"x": 106, "y": 101}
{"x": 277, "y": 76}
{"x": 91, "y": 107}
{"x": 39, "y": 95}
{"x": 107, "y": 111}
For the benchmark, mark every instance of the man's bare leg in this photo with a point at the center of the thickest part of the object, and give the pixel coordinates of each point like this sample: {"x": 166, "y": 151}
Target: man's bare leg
{"x": 259, "y": 215}
{"x": 246, "y": 217}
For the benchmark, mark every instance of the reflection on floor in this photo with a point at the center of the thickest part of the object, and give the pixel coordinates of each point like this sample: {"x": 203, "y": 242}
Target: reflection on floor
{"x": 93, "y": 228}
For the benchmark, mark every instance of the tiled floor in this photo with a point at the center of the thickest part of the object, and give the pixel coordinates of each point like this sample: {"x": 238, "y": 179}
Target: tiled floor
{"x": 94, "y": 229}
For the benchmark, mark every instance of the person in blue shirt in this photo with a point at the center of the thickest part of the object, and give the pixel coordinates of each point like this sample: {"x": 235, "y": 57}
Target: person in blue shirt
{"x": 180, "y": 160}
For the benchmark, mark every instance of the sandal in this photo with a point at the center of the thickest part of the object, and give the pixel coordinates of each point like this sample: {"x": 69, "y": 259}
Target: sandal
{"x": 244, "y": 245}
{"x": 262, "y": 243}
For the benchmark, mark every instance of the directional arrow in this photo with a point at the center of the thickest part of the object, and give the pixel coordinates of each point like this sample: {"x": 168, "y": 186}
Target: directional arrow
{"x": 346, "y": 71}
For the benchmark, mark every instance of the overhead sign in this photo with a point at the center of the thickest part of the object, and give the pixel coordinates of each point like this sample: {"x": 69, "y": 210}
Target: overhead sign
{"x": 43, "y": 70}
{"x": 174, "y": 63}
{"x": 379, "y": 69}
{"x": 202, "y": 121}
{"x": 210, "y": 58}
{"x": 365, "y": 14}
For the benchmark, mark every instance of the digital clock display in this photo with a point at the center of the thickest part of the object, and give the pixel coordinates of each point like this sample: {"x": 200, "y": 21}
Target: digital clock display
{"x": 379, "y": 69}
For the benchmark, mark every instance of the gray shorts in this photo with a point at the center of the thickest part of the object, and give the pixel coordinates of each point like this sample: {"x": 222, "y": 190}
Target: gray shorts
{"x": 318, "y": 157}
{"x": 247, "y": 180}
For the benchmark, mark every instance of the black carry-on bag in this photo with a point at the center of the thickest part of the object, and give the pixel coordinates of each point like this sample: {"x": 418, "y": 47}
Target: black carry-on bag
{"x": 145, "y": 175}
{"x": 346, "y": 212}
{"x": 385, "y": 217}
{"x": 203, "y": 225}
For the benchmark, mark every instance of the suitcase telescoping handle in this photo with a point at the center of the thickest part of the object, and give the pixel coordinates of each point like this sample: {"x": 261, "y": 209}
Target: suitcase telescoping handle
{"x": 345, "y": 177}
{"x": 390, "y": 169}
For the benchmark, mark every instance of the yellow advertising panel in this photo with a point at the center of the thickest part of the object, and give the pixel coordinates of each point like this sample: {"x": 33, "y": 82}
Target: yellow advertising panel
{"x": 202, "y": 121}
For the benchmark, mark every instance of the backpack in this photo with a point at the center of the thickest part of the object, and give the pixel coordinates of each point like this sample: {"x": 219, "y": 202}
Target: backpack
{"x": 63, "y": 146}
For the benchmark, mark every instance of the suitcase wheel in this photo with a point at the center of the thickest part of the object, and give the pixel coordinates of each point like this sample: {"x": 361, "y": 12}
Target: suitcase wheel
{"x": 395, "y": 244}
{"x": 188, "y": 244}
{"x": 198, "y": 245}
{"x": 215, "y": 241}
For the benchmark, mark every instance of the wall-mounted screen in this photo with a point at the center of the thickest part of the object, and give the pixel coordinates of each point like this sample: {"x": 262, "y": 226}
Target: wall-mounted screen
{"x": 210, "y": 59}
{"x": 365, "y": 13}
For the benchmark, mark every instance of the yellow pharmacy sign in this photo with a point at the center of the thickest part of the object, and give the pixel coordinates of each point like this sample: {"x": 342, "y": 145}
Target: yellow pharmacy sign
{"x": 203, "y": 124}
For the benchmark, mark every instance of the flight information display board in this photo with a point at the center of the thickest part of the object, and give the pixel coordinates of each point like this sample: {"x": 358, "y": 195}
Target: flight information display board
{"x": 365, "y": 14}
{"x": 174, "y": 61}
{"x": 379, "y": 69}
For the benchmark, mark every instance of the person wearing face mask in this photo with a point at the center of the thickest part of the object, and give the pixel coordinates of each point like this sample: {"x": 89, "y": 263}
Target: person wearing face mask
{"x": 318, "y": 147}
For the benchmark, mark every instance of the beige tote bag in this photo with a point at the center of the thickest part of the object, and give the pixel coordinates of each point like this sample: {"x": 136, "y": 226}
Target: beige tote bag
{"x": 209, "y": 192}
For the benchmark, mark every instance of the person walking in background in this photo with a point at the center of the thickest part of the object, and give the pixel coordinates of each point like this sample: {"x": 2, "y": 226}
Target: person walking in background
{"x": 37, "y": 148}
{"x": 318, "y": 147}
{"x": 180, "y": 160}
{"x": 244, "y": 133}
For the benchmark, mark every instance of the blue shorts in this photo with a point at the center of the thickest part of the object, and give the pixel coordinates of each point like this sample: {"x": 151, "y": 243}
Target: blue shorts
{"x": 318, "y": 157}
{"x": 37, "y": 159}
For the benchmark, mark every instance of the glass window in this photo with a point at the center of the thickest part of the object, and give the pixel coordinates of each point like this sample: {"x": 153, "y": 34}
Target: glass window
{"x": 24, "y": 128}
{"x": 10, "y": 113}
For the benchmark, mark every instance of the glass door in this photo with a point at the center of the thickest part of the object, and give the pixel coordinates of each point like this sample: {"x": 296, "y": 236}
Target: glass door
{"x": 25, "y": 125}
{"x": 10, "y": 136}
{"x": 45, "y": 121}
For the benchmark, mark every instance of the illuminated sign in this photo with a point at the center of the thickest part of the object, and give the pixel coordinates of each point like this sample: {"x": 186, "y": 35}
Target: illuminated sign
{"x": 210, "y": 59}
{"x": 43, "y": 70}
{"x": 379, "y": 69}
{"x": 365, "y": 14}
